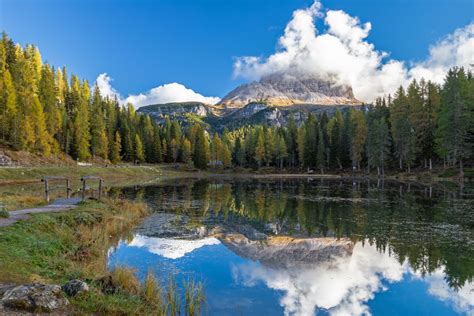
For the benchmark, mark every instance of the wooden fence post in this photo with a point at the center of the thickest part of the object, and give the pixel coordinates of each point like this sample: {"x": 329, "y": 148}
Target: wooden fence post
{"x": 100, "y": 188}
{"x": 68, "y": 189}
{"x": 83, "y": 189}
{"x": 46, "y": 190}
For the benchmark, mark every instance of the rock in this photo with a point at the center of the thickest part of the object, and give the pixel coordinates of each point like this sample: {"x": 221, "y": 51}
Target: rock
{"x": 74, "y": 287}
{"x": 281, "y": 89}
{"x": 35, "y": 297}
{"x": 5, "y": 160}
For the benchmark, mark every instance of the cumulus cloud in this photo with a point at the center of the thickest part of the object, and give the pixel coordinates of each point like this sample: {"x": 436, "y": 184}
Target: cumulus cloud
{"x": 462, "y": 299}
{"x": 342, "y": 54}
{"x": 171, "y": 248}
{"x": 342, "y": 286}
{"x": 171, "y": 92}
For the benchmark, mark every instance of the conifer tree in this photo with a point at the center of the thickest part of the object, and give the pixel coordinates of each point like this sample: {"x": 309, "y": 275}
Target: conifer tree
{"x": 281, "y": 151}
{"x": 116, "y": 148}
{"x": 301, "y": 142}
{"x": 186, "y": 151}
{"x": 291, "y": 141}
{"x": 99, "y": 139}
{"x": 139, "y": 150}
{"x": 260, "y": 149}
{"x": 404, "y": 136}
{"x": 456, "y": 130}
{"x": 359, "y": 135}
{"x": 320, "y": 156}
{"x": 201, "y": 150}
{"x": 80, "y": 110}
{"x": 48, "y": 98}
{"x": 239, "y": 153}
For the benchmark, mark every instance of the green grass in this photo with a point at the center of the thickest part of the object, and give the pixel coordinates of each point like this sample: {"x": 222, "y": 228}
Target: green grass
{"x": 54, "y": 248}
{"x": 57, "y": 247}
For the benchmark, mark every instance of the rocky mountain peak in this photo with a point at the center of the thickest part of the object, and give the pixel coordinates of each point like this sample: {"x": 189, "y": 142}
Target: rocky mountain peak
{"x": 287, "y": 89}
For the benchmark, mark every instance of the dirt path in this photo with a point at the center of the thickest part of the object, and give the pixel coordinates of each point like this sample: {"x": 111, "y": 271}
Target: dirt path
{"x": 59, "y": 205}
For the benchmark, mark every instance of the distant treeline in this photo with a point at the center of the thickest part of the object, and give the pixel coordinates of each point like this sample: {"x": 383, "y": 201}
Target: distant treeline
{"x": 44, "y": 111}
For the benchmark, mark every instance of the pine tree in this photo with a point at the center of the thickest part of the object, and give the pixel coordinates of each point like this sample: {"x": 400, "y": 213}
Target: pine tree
{"x": 80, "y": 121}
{"x": 291, "y": 141}
{"x": 99, "y": 139}
{"x": 301, "y": 141}
{"x": 320, "y": 156}
{"x": 239, "y": 153}
{"x": 359, "y": 135}
{"x": 116, "y": 149}
{"x": 260, "y": 149}
{"x": 378, "y": 144}
{"x": 186, "y": 151}
{"x": 48, "y": 98}
{"x": 157, "y": 149}
{"x": 404, "y": 136}
{"x": 311, "y": 141}
{"x": 455, "y": 127}
{"x": 417, "y": 113}
{"x": 139, "y": 150}
{"x": 201, "y": 150}
{"x": 34, "y": 135}
{"x": 335, "y": 126}
{"x": 432, "y": 105}
{"x": 281, "y": 151}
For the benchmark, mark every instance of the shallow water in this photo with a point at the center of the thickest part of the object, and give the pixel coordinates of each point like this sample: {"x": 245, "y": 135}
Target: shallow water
{"x": 306, "y": 247}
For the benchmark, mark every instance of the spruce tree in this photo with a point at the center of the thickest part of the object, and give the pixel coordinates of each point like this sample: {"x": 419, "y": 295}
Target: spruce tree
{"x": 359, "y": 135}
{"x": 201, "y": 150}
{"x": 116, "y": 148}
{"x": 99, "y": 139}
{"x": 455, "y": 127}
{"x": 139, "y": 150}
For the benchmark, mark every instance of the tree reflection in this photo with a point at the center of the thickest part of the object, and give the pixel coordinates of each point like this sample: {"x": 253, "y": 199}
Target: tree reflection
{"x": 430, "y": 228}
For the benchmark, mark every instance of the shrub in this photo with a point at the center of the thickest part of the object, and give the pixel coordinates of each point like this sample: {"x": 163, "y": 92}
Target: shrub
{"x": 4, "y": 214}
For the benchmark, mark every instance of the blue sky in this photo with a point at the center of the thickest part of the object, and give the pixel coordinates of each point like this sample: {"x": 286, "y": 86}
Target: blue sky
{"x": 143, "y": 44}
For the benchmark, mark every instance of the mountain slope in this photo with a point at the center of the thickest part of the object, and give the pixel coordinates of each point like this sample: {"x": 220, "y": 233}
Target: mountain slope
{"x": 284, "y": 90}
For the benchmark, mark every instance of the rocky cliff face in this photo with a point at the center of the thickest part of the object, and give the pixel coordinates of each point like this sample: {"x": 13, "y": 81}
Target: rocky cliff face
{"x": 284, "y": 90}
{"x": 285, "y": 251}
{"x": 269, "y": 101}
{"x": 159, "y": 111}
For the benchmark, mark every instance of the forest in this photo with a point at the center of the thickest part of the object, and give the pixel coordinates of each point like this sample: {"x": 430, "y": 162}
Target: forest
{"x": 46, "y": 111}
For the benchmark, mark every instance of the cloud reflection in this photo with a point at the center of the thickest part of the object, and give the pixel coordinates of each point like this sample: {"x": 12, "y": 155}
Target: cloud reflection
{"x": 342, "y": 286}
{"x": 171, "y": 248}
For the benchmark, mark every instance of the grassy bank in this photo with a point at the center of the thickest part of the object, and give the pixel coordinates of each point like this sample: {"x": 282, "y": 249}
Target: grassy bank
{"x": 57, "y": 247}
{"x": 22, "y": 187}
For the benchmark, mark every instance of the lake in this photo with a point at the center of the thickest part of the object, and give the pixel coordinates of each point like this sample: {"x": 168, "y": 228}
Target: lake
{"x": 308, "y": 246}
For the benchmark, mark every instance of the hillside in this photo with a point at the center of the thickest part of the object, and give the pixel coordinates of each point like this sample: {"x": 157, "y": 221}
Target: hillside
{"x": 268, "y": 101}
{"x": 285, "y": 90}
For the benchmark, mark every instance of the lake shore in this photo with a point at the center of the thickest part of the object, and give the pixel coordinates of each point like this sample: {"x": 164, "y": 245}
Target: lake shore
{"x": 54, "y": 248}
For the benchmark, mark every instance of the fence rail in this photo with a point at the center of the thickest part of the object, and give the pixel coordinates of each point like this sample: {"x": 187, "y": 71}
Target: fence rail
{"x": 85, "y": 188}
{"x": 47, "y": 188}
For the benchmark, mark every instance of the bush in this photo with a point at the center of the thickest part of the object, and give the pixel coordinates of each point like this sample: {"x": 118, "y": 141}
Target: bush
{"x": 4, "y": 214}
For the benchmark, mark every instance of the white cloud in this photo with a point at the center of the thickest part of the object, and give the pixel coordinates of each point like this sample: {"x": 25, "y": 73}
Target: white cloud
{"x": 343, "y": 54}
{"x": 171, "y": 248}
{"x": 342, "y": 286}
{"x": 171, "y": 92}
{"x": 462, "y": 299}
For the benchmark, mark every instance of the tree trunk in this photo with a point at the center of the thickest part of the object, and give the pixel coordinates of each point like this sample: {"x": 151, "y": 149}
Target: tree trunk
{"x": 408, "y": 168}
{"x": 431, "y": 164}
{"x": 461, "y": 171}
{"x": 378, "y": 171}
{"x": 400, "y": 163}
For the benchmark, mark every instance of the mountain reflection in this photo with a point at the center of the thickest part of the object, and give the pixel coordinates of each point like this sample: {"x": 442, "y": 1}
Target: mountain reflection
{"x": 402, "y": 225}
{"x": 336, "y": 276}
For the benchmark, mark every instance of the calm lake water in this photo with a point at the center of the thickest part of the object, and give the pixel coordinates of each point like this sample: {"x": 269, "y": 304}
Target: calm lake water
{"x": 307, "y": 247}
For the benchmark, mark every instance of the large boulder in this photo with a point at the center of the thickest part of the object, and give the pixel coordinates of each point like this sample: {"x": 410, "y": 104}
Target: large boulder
{"x": 75, "y": 287}
{"x": 35, "y": 297}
